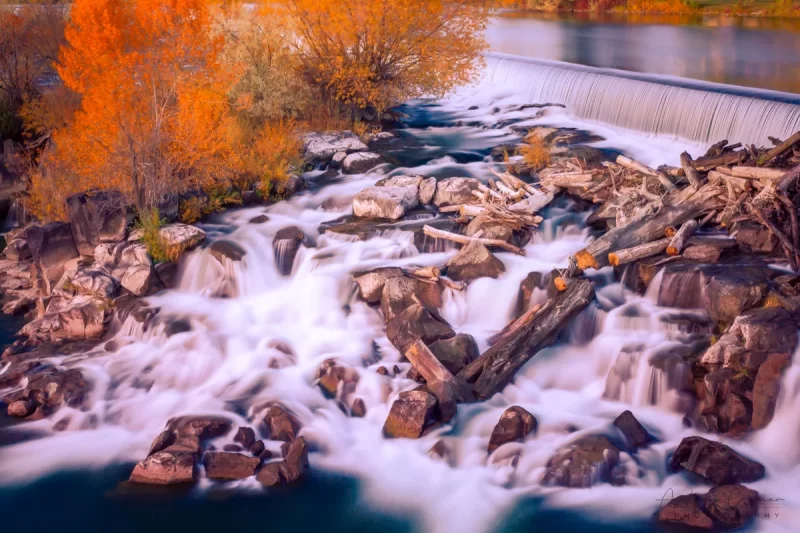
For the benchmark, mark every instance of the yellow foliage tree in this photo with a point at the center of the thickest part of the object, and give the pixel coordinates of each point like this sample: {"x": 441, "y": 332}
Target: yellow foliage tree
{"x": 154, "y": 115}
{"x": 378, "y": 53}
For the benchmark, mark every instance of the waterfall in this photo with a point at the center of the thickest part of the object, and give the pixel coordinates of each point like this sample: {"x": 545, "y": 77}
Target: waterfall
{"x": 699, "y": 111}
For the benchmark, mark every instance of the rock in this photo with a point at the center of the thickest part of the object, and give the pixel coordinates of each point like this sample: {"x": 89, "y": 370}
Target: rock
{"x": 474, "y": 261}
{"x": 456, "y": 191}
{"x": 279, "y": 424}
{"x": 91, "y": 281}
{"x": 293, "y": 185}
{"x": 129, "y": 264}
{"x": 285, "y": 247}
{"x": 685, "y": 510}
{"x": 734, "y": 414}
{"x": 82, "y": 317}
{"x": 337, "y": 159}
{"x": 202, "y": 427}
{"x": 224, "y": 249}
{"x": 413, "y": 181}
{"x": 370, "y": 284}
{"x": 409, "y": 415}
{"x": 164, "y": 440}
{"x": 358, "y": 409}
{"x": 636, "y": 436}
{"x": 401, "y": 292}
{"x": 514, "y": 425}
{"x": 51, "y": 246}
{"x": 22, "y": 408}
{"x": 98, "y": 217}
{"x": 731, "y": 506}
{"x": 490, "y": 229}
{"x": 767, "y": 388}
{"x": 167, "y": 274}
{"x": 455, "y": 353}
{"x": 181, "y": 237}
{"x": 730, "y": 293}
{"x": 17, "y": 250}
{"x": 414, "y": 323}
{"x": 260, "y": 219}
{"x": 270, "y": 474}
{"x": 246, "y": 437}
{"x": 295, "y": 460}
{"x": 319, "y": 148}
{"x": 446, "y": 399}
{"x": 385, "y": 202}
{"x": 361, "y": 162}
{"x": 715, "y": 462}
{"x": 225, "y": 466}
{"x": 258, "y": 448}
{"x": 165, "y": 468}
{"x": 767, "y": 330}
{"x": 755, "y": 238}
{"x": 427, "y": 191}
{"x": 585, "y": 462}
{"x": 333, "y": 375}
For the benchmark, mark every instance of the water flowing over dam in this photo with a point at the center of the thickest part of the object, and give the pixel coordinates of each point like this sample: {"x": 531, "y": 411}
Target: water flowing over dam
{"x": 699, "y": 111}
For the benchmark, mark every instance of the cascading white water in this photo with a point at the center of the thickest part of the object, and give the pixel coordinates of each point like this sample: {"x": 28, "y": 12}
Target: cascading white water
{"x": 694, "y": 110}
{"x": 267, "y": 340}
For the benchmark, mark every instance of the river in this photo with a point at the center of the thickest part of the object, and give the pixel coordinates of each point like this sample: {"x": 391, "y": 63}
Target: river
{"x": 231, "y": 360}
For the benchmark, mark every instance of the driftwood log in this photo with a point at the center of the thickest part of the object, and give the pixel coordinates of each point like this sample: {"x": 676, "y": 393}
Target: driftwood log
{"x": 463, "y": 239}
{"x": 524, "y": 337}
{"x": 629, "y": 255}
{"x": 689, "y": 170}
{"x": 678, "y": 242}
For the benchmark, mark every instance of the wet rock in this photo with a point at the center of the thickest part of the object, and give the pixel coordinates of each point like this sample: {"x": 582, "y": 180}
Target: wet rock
{"x": 767, "y": 330}
{"x": 319, "y": 148}
{"x": 224, "y": 466}
{"x": 246, "y": 437}
{"x": 260, "y": 219}
{"x": 280, "y": 424}
{"x": 202, "y": 427}
{"x": 127, "y": 263}
{"x": 270, "y": 474}
{"x": 685, "y": 510}
{"x": 257, "y": 448}
{"x": 293, "y": 185}
{"x": 427, "y": 191}
{"x": 337, "y": 159}
{"x": 755, "y": 238}
{"x": 164, "y": 440}
{"x": 636, "y": 436}
{"x": 82, "y": 317}
{"x": 167, "y": 274}
{"x": 17, "y": 250}
{"x": 490, "y": 229}
{"x": 455, "y": 353}
{"x": 715, "y": 462}
{"x": 51, "y": 246}
{"x": 91, "y": 281}
{"x": 358, "y": 409}
{"x": 361, "y": 162}
{"x": 231, "y": 448}
{"x": 98, "y": 217}
{"x": 181, "y": 237}
{"x": 22, "y": 408}
{"x": 514, "y": 425}
{"x": 456, "y": 191}
{"x": 731, "y": 506}
{"x": 587, "y": 461}
{"x": 414, "y": 323}
{"x": 285, "y": 247}
{"x": 767, "y": 388}
{"x": 224, "y": 249}
{"x": 413, "y": 181}
{"x": 441, "y": 452}
{"x": 185, "y": 444}
{"x": 370, "y": 284}
{"x": 295, "y": 460}
{"x": 474, "y": 261}
{"x": 409, "y": 415}
{"x": 165, "y": 468}
{"x": 730, "y": 293}
{"x": 333, "y": 375}
{"x": 734, "y": 414}
{"x": 385, "y": 202}
{"x": 401, "y": 292}
{"x": 446, "y": 399}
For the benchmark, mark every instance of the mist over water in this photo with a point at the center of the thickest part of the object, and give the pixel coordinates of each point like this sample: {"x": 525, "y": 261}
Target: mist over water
{"x": 267, "y": 340}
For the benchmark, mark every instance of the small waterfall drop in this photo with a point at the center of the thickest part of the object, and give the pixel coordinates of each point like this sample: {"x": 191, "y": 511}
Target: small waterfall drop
{"x": 698, "y": 111}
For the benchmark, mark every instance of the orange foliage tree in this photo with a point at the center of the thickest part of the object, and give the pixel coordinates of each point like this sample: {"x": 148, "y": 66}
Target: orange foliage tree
{"x": 154, "y": 115}
{"x": 378, "y": 53}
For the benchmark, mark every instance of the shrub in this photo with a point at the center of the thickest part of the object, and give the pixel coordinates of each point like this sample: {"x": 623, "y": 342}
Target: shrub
{"x": 535, "y": 152}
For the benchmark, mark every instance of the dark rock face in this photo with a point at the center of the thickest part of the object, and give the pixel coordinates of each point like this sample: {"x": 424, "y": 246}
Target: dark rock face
{"x": 332, "y": 375}
{"x": 585, "y": 462}
{"x": 51, "y": 246}
{"x": 164, "y": 440}
{"x": 409, "y": 415}
{"x": 446, "y": 398}
{"x": 226, "y": 466}
{"x": 46, "y": 392}
{"x": 289, "y": 470}
{"x": 285, "y": 246}
{"x": 98, "y": 217}
{"x": 715, "y": 462}
{"x": 415, "y": 323}
{"x": 200, "y": 426}
{"x": 768, "y": 330}
{"x": 455, "y": 353}
{"x": 401, "y": 292}
{"x": 686, "y": 511}
{"x": 358, "y": 409}
{"x": 246, "y": 437}
{"x": 766, "y": 389}
{"x": 260, "y": 219}
{"x": 514, "y": 425}
{"x": 731, "y": 506}
{"x": 636, "y": 436}
{"x": 755, "y": 238}
{"x": 474, "y": 261}
{"x": 280, "y": 424}
{"x": 370, "y": 284}
{"x": 224, "y": 249}
{"x": 165, "y": 468}
{"x": 17, "y": 250}
{"x": 293, "y": 185}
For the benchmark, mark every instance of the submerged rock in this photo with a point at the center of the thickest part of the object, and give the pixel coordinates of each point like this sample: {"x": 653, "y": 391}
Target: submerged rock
{"x": 225, "y": 249}
{"x": 587, "y": 461}
{"x": 285, "y": 247}
{"x": 409, "y": 415}
{"x": 514, "y": 425}
{"x": 385, "y": 202}
{"x": 474, "y": 261}
{"x": 636, "y": 436}
{"x": 715, "y": 462}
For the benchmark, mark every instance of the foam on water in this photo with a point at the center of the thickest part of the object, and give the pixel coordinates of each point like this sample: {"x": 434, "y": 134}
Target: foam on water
{"x": 267, "y": 341}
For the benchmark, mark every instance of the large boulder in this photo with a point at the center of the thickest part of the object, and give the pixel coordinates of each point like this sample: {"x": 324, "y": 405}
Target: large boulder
{"x": 165, "y": 468}
{"x": 280, "y": 424}
{"x": 370, "y": 284}
{"x": 767, "y": 387}
{"x": 225, "y": 466}
{"x": 685, "y": 510}
{"x": 361, "y": 162}
{"x": 715, "y": 462}
{"x": 289, "y": 470}
{"x": 401, "y": 292}
{"x": 514, "y": 425}
{"x": 456, "y": 191}
{"x": 92, "y": 281}
{"x": 767, "y": 330}
{"x": 634, "y": 433}
{"x": 415, "y": 323}
{"x": 224, "y": 249}
{"x": 455, "y": 353}
{"x": 285, "y": 246}
{"x": 585, "y": 462}
{"x": 387, "y": 202}
{"x": 181, "y": 237}
{"x": 755, "y": 238}
{"x": 731, "y": 506}
{"x": 44, "y": 391}
{"x": 17, "y": 249}
{"x": 489, "y": 229}
{"x": 51, "y": 247}
{"x": 474, "y": 261}
{"x": 129, "y": 264}
{"x": 410, "y": 414}
{"x": 319, "y": 148}
{"x": 82, "y": 317}
{"x": 98, "y": 217}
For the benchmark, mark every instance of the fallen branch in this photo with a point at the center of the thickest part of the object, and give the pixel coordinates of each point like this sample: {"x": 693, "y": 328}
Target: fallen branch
{"x": 679, "y": 240}
{"x": 629, "y": 163}
{"x": 689, "y": 170}
{"x": 758, "y": 173}
{"x": 649, "y": 249}
{"x": 783, "y": 147}
{"x": 463, "y": 239}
